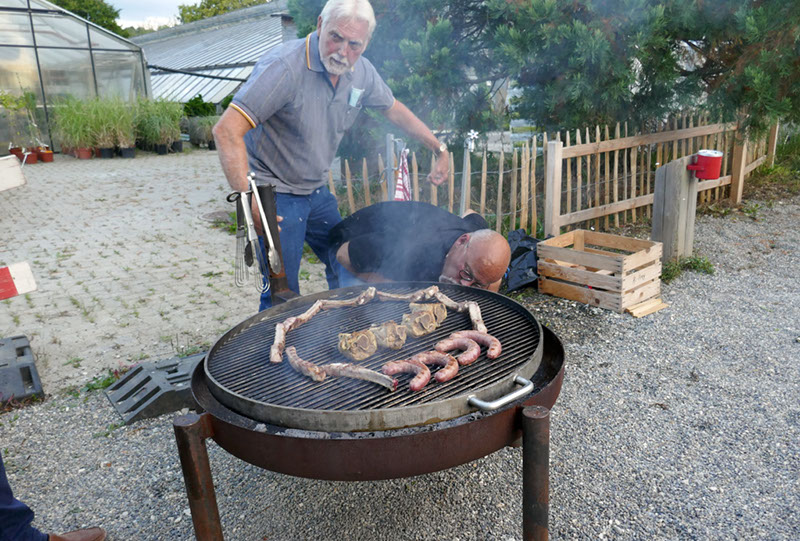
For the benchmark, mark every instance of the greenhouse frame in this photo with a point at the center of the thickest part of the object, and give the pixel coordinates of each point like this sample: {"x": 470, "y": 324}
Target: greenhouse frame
{"x": 52, "y": 54}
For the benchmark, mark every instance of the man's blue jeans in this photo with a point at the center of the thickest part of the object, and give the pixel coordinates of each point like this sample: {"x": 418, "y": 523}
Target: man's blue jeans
{"x": 15, "y": 516}
{"x": 306, "y": 218}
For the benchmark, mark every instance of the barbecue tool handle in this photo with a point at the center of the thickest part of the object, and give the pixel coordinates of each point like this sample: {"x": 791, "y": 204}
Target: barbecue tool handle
{"x": 272, "y": 254}
{"x": 527, "y": 387}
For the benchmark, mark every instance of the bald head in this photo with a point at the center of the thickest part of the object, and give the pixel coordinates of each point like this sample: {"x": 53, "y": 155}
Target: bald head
{"x": 478, "y": 259}
{"x": 488, "y": 255}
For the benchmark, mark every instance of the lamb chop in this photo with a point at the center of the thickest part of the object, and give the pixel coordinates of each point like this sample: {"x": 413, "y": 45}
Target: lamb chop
{"x": 420, "y": 323}
{"x": 390, "y": 334}
{"x": 436, "y": 308}
{"x": 358, "y": 345}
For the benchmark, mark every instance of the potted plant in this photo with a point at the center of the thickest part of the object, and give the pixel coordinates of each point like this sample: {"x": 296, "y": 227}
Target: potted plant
{"x": 12, "y": 107}
{"x": 102, "y": 113}
{"x": 201, "y": 130}
{"x": 170, "y": 114}
{"x": 72, "y": 126}
{"x": 125, "y": 128}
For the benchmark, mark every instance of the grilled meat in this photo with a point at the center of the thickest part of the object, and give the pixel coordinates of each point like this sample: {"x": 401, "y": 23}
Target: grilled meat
{"x": 436, "y": 308}
{"x": 448, "y": 363}
{"x": 420, "y": 323}
{"x": 304, "y": 367}
{"x": 390, "y": 334}
{"x": 471, "y": 349}
{"x": 348, "y": 370}
{"x": 358, "y": 345}
{"x": 423, "y": 373}
{"x": 493, "y": 344}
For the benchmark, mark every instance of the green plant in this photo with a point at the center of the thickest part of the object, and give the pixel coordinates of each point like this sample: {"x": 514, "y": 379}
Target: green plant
{"x": 158, "y": 121}
{"x": 104, "y": 381}
{"x": 72, "y": 123}
{"x": 200, "y": 129}
{"x": 673, "y": 269}
{"x": 197, "y": 107}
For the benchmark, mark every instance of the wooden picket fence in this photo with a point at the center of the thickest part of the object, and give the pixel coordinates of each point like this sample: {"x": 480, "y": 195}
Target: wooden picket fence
{"x": 586, "y": 178}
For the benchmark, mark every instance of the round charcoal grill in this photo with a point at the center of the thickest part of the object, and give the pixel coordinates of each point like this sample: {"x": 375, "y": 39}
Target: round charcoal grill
{"x": 240, "y": 376}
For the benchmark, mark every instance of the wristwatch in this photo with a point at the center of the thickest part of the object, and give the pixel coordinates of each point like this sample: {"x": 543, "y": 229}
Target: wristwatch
{"x": 442, "y": 148}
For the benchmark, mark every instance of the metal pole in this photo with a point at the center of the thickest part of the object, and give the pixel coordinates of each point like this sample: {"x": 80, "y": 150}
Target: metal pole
{"x": 191, "y": 432}
{"x": 390, "y": 165}
{"x": 535, "y": 473}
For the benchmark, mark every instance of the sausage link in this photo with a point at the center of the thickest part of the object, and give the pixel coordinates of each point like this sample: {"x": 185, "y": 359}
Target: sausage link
{"x": 492, "y": 344}
{"x": 448, "y": 363}
{"x": 469, "y": 346}
{"x": 423, "y": 373}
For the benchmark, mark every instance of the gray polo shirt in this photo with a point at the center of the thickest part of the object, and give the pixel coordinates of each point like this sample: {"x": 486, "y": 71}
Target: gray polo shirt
{"x": 298, "y": 117}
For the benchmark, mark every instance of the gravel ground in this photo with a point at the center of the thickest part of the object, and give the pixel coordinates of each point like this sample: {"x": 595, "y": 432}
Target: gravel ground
{"x": 684, "y": 424}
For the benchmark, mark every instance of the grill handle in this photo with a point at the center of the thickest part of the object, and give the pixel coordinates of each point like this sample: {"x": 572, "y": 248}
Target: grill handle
{"x": 527, "y": 387}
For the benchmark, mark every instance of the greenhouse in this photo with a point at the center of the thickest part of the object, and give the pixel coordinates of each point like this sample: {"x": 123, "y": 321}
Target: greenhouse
{"x": 48, "y": 54}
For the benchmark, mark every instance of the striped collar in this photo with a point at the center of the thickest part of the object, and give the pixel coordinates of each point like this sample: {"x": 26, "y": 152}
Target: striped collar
{"x": 313, "y": 61}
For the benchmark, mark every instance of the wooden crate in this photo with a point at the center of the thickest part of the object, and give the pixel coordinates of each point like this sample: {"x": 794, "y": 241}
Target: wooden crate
{"x": 600, "y": 269}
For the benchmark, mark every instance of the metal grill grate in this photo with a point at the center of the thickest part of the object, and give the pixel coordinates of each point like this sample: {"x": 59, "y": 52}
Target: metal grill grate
{"x": 239, "y": 363}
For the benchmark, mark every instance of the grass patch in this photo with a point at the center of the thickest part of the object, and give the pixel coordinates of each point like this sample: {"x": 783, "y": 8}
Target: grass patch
{"x": 673, "y": 269}
{"x": 780, "y": 181}
{"x": 98, "y": 383}
{"x": 309, "y": 254}
{"x": 229, "y": 225}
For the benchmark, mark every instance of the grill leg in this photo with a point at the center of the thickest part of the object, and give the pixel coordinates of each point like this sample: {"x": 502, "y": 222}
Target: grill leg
{"x": 191, "y": 432}
{"x": 535, "y": 473}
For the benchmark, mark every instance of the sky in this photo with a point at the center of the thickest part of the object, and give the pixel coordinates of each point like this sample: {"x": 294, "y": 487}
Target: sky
{"x": 149, "y": 13}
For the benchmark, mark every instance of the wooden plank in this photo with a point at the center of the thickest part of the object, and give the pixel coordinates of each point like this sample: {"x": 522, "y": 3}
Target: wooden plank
{"x": 561, "y": 241}
{"x": 483, "y": 185}
{"x": 434, "y": 187}
{"x": 579, "y": 276}
{"x": 568, "y": 163}
{"x": 738, "y": 173}
{"x": 648, "y": 307}
{"x": 596, "y": 174}
{"x": 534, "y": 213}
{"x": 467, "y": 184}
{"x": 651, "y": 138}
{"x": 351, "y": 204}
{"x": 640, "y": 294}
{"x": 585, "y": 295}
{"x": 616, "y": 180}
{"x": 648, "y": 186}
{"x": 772, "y": 145}
{"x": 584, "y": 259}
{"x": 578, "y": 174}
{"x": 635, "y": 279}
{"x": 513, "y": 210}
{"x": 624, "y": 183}
{"x": 749, "y": 169}
{"x": 617, "y": 242}
{"x": 499, "y": 223}
{"x": 605, "y": 210}
{"x": 385, "y": 183}
{"x": 451, "y": 182}
{"x": 415, "y": 176}
{"x": 523, "y": 188}
{"x": 365, "y": 176}
{"x": 552, "y": 206}
{"x": 331, "y": 187}
{"x": 608, "y": 178}
{"x": 634, "y": 155}
{"x": 579, "y": 243}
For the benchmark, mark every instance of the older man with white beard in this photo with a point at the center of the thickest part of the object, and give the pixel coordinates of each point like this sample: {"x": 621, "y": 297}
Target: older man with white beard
{"x": 286, "y": 122}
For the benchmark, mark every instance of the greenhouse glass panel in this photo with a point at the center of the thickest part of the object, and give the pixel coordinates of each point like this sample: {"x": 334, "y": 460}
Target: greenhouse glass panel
{"x": 18, "y": 70}
{"x": 15, "y": 29}
{"x": 14, "y": 4}
{"x": 59, "y": 31}
{"x": 66, "y": 73}
{"x": 101, "y": 40}
{"x": 119, "y": 74}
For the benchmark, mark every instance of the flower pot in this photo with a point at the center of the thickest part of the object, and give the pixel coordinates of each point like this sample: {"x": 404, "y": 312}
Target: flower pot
{"x": 29, "y": 157}
{"x": 83, "y": 153}
{"x": 129, "y": 152}
{"x": 177, "y": 146}
{"x": 45, "y": 156}
{"x": 106, "y": 153}
{"x": 16, "y": 151}
{"x": 212, "y": 145}
{"x": 96, "y": 152}
{"x": 161, "y": 149}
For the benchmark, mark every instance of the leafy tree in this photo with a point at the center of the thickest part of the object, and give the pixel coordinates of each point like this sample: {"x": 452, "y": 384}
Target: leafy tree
{"x": 586, "y": 62}
{"x": 211, "y": 8}
{"x": 96, "y": 11}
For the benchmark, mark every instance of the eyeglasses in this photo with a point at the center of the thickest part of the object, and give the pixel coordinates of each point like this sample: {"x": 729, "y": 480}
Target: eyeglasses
{"x": 465, "y": 275}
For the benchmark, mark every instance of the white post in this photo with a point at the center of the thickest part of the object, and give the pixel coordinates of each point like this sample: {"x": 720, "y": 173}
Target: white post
{"x": 552, "y": 201}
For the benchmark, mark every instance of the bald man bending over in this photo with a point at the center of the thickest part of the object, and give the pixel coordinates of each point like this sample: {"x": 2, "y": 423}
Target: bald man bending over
{"x": 413, "y": 241}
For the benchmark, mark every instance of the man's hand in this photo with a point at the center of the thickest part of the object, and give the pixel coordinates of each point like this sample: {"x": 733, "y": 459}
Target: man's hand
{"x": 441, "y": 168}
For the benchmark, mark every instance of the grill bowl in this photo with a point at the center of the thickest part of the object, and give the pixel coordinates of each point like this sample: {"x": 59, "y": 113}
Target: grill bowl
{"x": 240, "y": 376}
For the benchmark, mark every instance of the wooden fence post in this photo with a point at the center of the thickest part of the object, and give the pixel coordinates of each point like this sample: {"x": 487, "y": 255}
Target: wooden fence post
{"x": 499, "y": 222}
{"x": 365, "y": 177}
{"x": 772, "y": 146}
{"x": 739, "y": 165}
{"x": 350, "y": 200}
{"x": 552, "y": 203}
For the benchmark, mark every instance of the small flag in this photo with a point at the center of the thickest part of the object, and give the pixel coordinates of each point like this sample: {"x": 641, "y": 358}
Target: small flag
{"x": 16, "y": 279}
{"x": 402, "y": 190}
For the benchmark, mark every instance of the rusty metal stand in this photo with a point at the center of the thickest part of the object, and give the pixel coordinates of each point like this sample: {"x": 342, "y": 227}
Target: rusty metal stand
{"x": 535, "y": 473}
{"x": 191, "y": 432}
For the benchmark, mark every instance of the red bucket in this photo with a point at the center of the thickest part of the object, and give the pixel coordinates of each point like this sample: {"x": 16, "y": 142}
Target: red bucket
{"x": 707, "y": 165}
